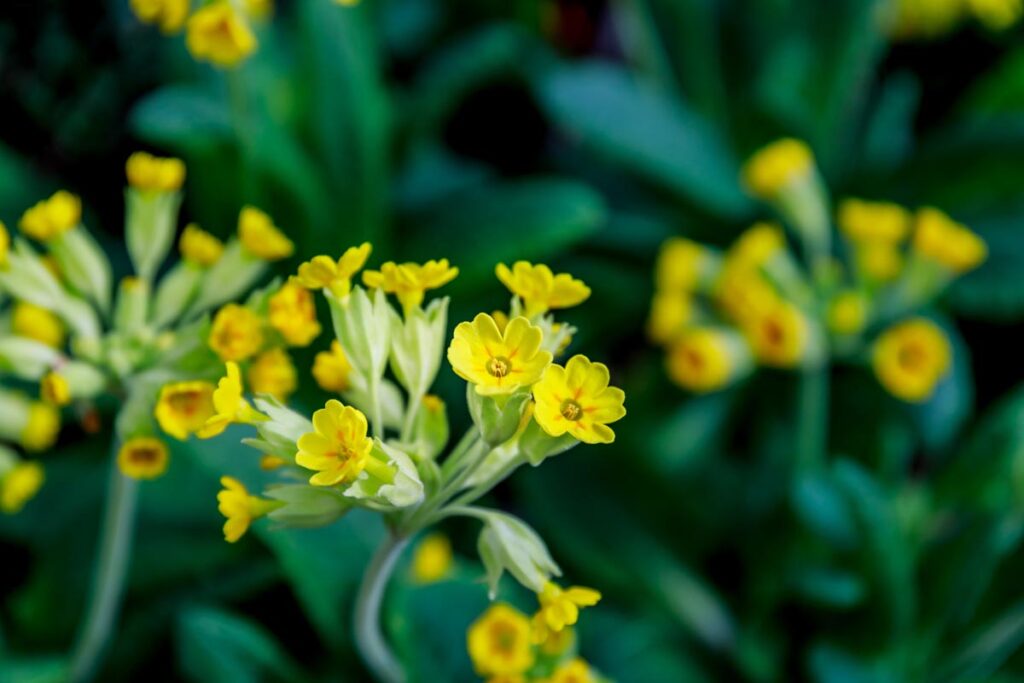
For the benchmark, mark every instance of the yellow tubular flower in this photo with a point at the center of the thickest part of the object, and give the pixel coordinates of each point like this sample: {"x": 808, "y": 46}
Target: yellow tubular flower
{"x": 331, "y": 369}
{"x": 54, "y": 389}
{"x": 911, "y": 357}
{"x": 756, "y": 246}
{"x": 273, "y": 373}
{"x": 573, "y": 671}
{"x": 499, "y": 642}
{"x": 229, "y": 405}
{"x": 338, "y": 448}
{"x": 540, "y": 289}
{"x": 199, "y": 247}
{"x": 169, "y": 15}
{"x": 219, "y": 35}
{"x": 292, "y": 312}
{"x": 679, "y": 264}
{"x": 410, "y": 281}
{"x": 780, "y": 336}
{"x": 776, "y": 167}
{"x": 239, "y": 508}
{"x": 577, "y": 399}
{"x": 236, "y": 333}
{"x": 433, "y": 559}
{"x": 948, "y": 243}
{"x": 560, "y": 607}
{"x": 997, "y": 15}
{"x": 879, "y": 261}
{"x": 701, "y": 360}
{"x": 671, "y": 312}
{"x": 143, "y": 458}
{"x": 261, "y": 237}
{"x": 496, "y": 362}
{"x": 52, "y": 217}
{"x": 184, "y": 408}
{"x": 19, "y": 485}
{"x": 847, "y": 313}
{"x": 5, "y": 245}
{"x": 42, "y": 427}
{"x": 155, "y": 174}
{"x": 873, "y": 222}
{"x": 323, "y": 272}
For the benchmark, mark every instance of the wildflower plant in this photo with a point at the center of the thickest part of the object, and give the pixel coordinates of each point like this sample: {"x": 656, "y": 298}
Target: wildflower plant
{"x": 383, "y": 445}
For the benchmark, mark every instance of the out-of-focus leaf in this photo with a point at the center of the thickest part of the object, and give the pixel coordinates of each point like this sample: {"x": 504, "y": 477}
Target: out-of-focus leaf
{"x": 828, "y": 587}
{"x": 889, "y": 136}
{"x": 982, "y": 654}
{"x": 995, "y": 290}
{"x": 829, "y": 664}
{"x": 32, "y": 670}
{"x": 183, "y": 117}
{"x": 820, "y": 504}
{"x": 680, "y": 438}
{"x": 940, "y": 419}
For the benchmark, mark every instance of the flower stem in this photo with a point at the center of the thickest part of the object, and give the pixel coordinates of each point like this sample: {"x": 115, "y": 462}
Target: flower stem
{"x": 377, "y": 414}
{"x": 109, "y": 578}
{"x": 812, "y": 437}
{"x": 369, "y": 635}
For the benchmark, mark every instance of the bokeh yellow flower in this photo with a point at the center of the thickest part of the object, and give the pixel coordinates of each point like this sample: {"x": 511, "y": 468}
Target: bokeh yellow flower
{"x": 19, "y": 485}
{"x": 239, "y": 508}
{"x": 51, "y": 217}
{"x": 577, "y": 399}
{"x": 560, "y": 607}
{"x": 183, "y": 408}
{"x": 779, "y": 336}
{"x": 950, "y": 244}
{"x": 911, "y": 358}
{"x": 323, "y": 272}
{"x": 432, "y": 560}
{"x": 331, "y": 369}
{"x": 847, "y": 313}
{"x": 169, "y": 15}
{"x": 540, "y": 289}
{"x": 997, "y": 15}
{"x": 218, "y": 34}
{"x": 872, "y": 222}
{"x": 54, "y": 389}
{"x": 410, "y": 281}
{"x": 879, "y": 261}
{"x": 199, "y": 247}
{"x": 496, "y": 362}
{"x": 157, "y": 174}
{"x": 261, "y": 237}
{"x": 776, "y": 167}
{"x": 499, "y": 642}
{"x": 292, "y": 312}
{"x": 338, "y": 448}
{"x": 671, "y": 312}
{"x": 229, "y": 405}
{"x": 679, "y": 265}
{"x": 236, "y": 333}
{"x": 41, "y": 428}
{"x": 573, "y": 671}
{"x": 702, "y": 359}
{"x": 923, "y": 18}
{"x": 273, "y": 373}
{"x": 143, "y": 458}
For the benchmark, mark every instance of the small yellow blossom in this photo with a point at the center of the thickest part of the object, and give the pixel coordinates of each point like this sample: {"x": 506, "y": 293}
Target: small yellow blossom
{"x": 52, "y": 217}
{"x": 778, "y": 166}
{"x": 496, "y": 362}
{"x": 779, "y": 337}
{"x": 338, "y": 448}
{"x": 54, "y": 389}
{"x": 42, "y": 427}
{"x": 679, "y": 265}
{"x": 271, "y": 462}
{"x": 236, "y": 333}
{"x": 872, "y": 222}
{"x": 744, "y": 294}
{"x": 499, "y": 642}
{"x": 560, "y": 607}
{"x": 923, "y": 18}
{"x": 5, "y": 245}
{"x": 292, "y": 312}
{"x": 997, "y": 15}
{"x": 701, "y": 360}
{"x": 184, "y": 408}
{"x": 410, "y": 281}
{"x": 219, "y": 35}
{"x": 19, "y": 485}
{"x": 573, "y": 671}
{"x": 239, "y": 508}
{"x": 156, "y": 174}
{"x": 756, "y": 246}
{"x": 331, "y": 369}
{"x": 143, "y": 458}
{"x": 577, "y": 399}
{"x": 671, "y": 312}
{"x": 273, "y": 373}
{"x": 433, "y": 559}
{"x": 540, "y": 289}
{"x": 847, "y": 313}
{"x": 169, "y": 15}
{"x": 323, "y": 272}
{"x": 261, "y": 237}
{"x": 940, "y": 238}
{"x": 879, "y": 261}
{"x": 911, "y": 357}
{"x": 199, "y": 247}
{"x": 229, "y": 405}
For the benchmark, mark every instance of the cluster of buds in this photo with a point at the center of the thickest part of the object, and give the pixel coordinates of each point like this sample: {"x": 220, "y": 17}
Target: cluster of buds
{"x": 911, "y": 19}
{"x": 80, "y": 338}
{"x": 720, "y": 315}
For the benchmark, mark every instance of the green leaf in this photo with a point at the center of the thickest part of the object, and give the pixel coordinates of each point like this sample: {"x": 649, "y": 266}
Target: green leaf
{"x": 49, "y": 669}
{"x": 829, "y": 587}
{"x": 984, "y": 653}
{"x": 819, "y": 503}
{"x": 183, "y": 117}
{"x": 889, "y": 136}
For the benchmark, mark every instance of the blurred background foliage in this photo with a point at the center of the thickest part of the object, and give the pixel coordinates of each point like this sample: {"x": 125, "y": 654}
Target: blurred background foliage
{"x": 582, "y": 134}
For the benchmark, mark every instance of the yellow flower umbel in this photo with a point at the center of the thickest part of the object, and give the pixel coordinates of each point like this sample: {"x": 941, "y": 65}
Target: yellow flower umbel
{"x": 911, "y": 357}
{"x": 169, "y": 15}
{"x": 143, "y": 458}
{"x": 338, "y": 449}
{"x": 573, "y": 671}
{"x": 52, "y": 217}
{"x": 41, "y": 428}
{"x": 239, "y": 508}
{"x": 577, "y": 399}
{"x": 705, "y": 359}
{"x": 261, "y": 237}
{"x": 495, "y": 362}
{"x": 184, "y": 408}
{"x": 154, "y": 174}
{"x": 499, "y": 642}
{"x": 236, "y": 334}
{"x": 776, "y": 167}
{"x": 229, "y": 405}
{"x": 540, "y": 289}
{"x": 942, "y": 240}
{"x": 54, "y": 389}
{"x": 273, "y": 373}
{"x": 560, "y": 607}
{"x": 432, "y": 560}
{"x": 410, "y": 281}
{"x": 331, "y": 369}
{"x": 323, "y": 272}
{"x": 19, "y": 484}
{"x": 199, "y": 247}
{"x": 292, "y": 312}
{"x": 218, "y": 34}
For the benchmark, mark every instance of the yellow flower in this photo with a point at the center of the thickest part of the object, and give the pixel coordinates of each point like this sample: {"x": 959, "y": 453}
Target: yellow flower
{"x": 54, "y": 389}
{"x": 236, "y": 334}
{"x": 779, "y": 337}
{"x": 52, "y": 217}
{"x": 499, "y": 642}
{"x": 219, "y": 35}
{"x": 911, "y": 357}
{"x": 874, "y": 221}
{"x": 924, "y": 18}
{"x": 259, "y": 9}
{"x": 239, "y": 508}
{"x": 338, "y": 448}
{"x": 577, "y": 399}
{"x": 143, "y": 458}
{"x": 433, "y": 559}
{"x": 879, "y": 261}
{"x": 744, "y": 294}
{"x": 410, "y": 281}
{"x": 292, "y": 312}
{"x": 323, "y": 272}
{"x": 997, "y": 15}
{"x": 272, "y": 462}
{"x": 169, "y": 15}
{"x": 19, "y": 485}
{"x": 5, "y": 245}
{"x": 671, "y": 312}
{"x": 273, "y": 373}
{"x": 42, "y": 427}
{"x": 496, "y": 362}
{"x": 560, "y": 607}
{"x": 261, "y": 237}
{"x": 679, "y": 265}
{"x": 558, "y": 643}
{"x": 229, "y": 405}
{"x": 540, "y": 289}
{"x": 573, "y": 671}
{"x": 847, "y": 313}
{"x": 947, "y": 242}
{"x": 184, "y": 408}
{"x": 701, "y": 360}
{"x": 331, "y": 369}
{"x": 147, "y": 172}
{"x": 200, "y": 247}
{"x": 777, "y": 166}
{"x": 756, "y": 246}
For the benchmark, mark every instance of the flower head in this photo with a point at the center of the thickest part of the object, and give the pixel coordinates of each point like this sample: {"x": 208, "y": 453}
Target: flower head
{"x": 874, "y": 222}
{"x": 703, "y": 359}
{"x": 292, "y": 312}
{"x": 261, "y": 237}
{"x": 779, "y": 336}
{"x": 52, "y": 217}
{"x": 410, "y": 281}
{"x": 200, "y": 247}
{"x": 911, "y": 357}
{"x": 236, "y": 333}
{"x": 679, "y": 265}
{"x": 143, "y": 458}
{"x": 229, "y": 405}
{"x": 433, "y": 559}
{"x": 219, "y": 35}
{"x": 41, "y": 428}
{"x": 777, "y": 166}
{"x": 323, "y": 272}
{"x": 184, "y": 408}
{"x": 847, "y": 312}
{"x": 560, "y": 607}
{"x": 540, "y": 289}
{"x": 573, "y": 671}
{"x": 19, "y": 485}
{"x": 331, "y": 369}
{"x": 169, "y": 15}
{"x": 496, "y": 362}
{"x": 154, "y": 174}
{"x": 577, "y": 399}
{"x": 273, "y": 373}
{"x": 948, "y": 243}
{"x": 671, "y": 312}
{"x": 338, "y": 448}
{"x": 499, "y": 642}
{"x": 239, "y": 508}
{"x": 54, "y": 389}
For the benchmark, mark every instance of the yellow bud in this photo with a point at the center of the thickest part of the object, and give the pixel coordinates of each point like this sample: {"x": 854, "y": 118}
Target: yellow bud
{"x": 54, "y": 389}
{"x": 777, "y": 166}
{"x": 33, "y": 322}
{"x": 200, "y": 247}
{"x": 41, "y": 428}
{"x": 149, "y": 173}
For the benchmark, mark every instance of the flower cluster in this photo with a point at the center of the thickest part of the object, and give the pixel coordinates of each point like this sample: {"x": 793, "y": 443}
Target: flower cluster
{"x": 910, "y": 19}
{"x": 719, "y": 315}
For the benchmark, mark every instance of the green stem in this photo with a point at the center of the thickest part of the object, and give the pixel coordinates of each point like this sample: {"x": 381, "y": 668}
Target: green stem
{"x": 369, "y": 636}
{"x": 812, "y": 437}
{"x": 409, "y": 424}
{"x": 377, "y": 414}
{"x": 111, "y": 571}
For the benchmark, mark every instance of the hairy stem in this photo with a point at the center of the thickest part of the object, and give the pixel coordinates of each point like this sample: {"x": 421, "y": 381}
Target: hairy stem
{"x": 369, "y": 636}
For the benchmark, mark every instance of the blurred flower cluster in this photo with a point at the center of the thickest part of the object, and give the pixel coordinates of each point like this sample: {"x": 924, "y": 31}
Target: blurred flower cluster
{"x": 913, "y": 19}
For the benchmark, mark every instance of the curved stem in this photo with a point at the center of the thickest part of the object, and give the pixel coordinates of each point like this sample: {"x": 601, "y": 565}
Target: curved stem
{"x": 369, "y": 635}
{"x": 109, "y": 578}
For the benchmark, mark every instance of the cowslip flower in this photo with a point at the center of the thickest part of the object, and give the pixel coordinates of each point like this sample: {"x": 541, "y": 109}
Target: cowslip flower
{"x": 143, "y": 458}
{"x": 577, "y": 400}
{"x": 239, "y": 508}
{"x": 323, "y": 272}
{"x": 432, "y": 560}
{"x": 229, "y": 405}
{"x": 574, "y": 671}
{"x": 495, "y": 362}
{"x": 183, "y": 408}
{"x": 154, "y": 174}
{"x": 331, "y": 369}
{"x": 780, "y": 336}
{"x": 778, "y": 166}
{"x": 51, "y": 217}
{"x": 220, "y": 35}
{"x": 499, "y": 642}
{"x": 946, "y": 242}
{"x": 911, "y": 357}
{"x": 54, "y": 389}
{"x": 19, "y": 485}
{"x": 540, "y": 289}
{"x": 292, "y": 312}
{"x": 273, "y": 373}
{"x": 671, "y": 312}
{"x": 199, "y": 247}
{"x": 261, "y": 237}
{"x": 560, "y": 607}
{"x": 338, "y": 448}
{"x": 169, "y": 15}
{"x": 679, "y": 266}
{"x": 883, "y": 222}
{"x": 705, "y": 359}
{"x": 236, "y": 333}
{"x": 41, "y": 427}
{"x": 410, "y": 281}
